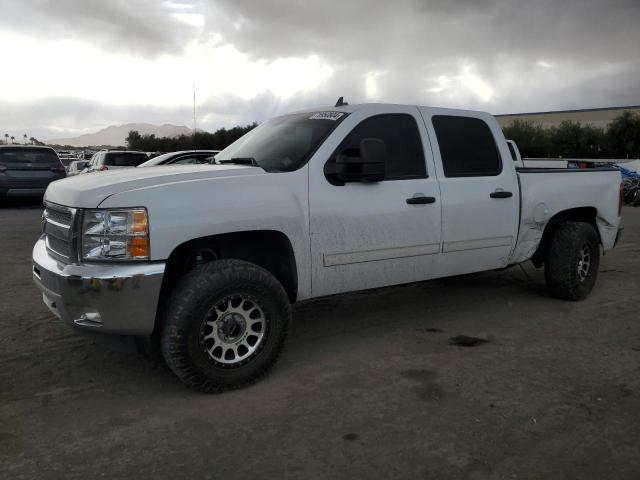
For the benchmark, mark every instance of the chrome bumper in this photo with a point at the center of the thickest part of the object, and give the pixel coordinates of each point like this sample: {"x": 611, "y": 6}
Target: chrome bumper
{"x": 117, "y": 298}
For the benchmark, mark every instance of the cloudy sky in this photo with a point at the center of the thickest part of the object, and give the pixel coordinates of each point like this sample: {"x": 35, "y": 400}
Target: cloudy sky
{"x": 73, "y": 66}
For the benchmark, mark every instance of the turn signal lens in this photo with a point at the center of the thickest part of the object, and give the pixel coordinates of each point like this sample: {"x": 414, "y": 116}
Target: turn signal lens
{"x": 139, "y": 222}
{"x": 138, "y": 247}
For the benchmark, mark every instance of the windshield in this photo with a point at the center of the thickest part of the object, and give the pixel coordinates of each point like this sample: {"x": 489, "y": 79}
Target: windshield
{"x": 125, "y": 159}
{"x": 187, "y": 157}
{"x": 157, "y": 160}
{"x": 28, "y": 155}
{"x": 283, "y": 144}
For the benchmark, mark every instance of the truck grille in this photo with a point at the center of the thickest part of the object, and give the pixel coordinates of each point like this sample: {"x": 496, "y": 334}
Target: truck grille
{"x": 58, "y": 230}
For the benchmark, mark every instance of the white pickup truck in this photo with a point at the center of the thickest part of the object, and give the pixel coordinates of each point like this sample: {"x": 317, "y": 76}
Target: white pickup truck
{"x": 207, "y": 259}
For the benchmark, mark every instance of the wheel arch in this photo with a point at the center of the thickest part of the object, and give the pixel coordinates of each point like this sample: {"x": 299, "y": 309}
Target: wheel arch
{"x": 578, "y": 214}
{"x": 269, "y": 249}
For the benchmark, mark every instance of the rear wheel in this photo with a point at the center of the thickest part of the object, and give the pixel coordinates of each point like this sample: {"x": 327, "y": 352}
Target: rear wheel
{"x": 225, "y": 325}
{"x": 571, "y": 266}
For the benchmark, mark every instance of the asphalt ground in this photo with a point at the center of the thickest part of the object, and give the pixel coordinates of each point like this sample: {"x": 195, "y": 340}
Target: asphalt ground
{"x": 369, "y": 385}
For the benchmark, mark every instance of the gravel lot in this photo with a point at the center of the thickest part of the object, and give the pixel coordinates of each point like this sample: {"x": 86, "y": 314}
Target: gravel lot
{"x": 368, "y": 386}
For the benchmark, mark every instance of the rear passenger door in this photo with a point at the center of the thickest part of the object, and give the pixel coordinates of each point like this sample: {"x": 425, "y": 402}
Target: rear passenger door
{"x": 480, "y": 194}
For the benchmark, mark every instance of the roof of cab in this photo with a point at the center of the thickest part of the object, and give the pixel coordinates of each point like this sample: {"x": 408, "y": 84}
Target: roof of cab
{"x": 27, "y": 147}
{"x": 358, "y": 106}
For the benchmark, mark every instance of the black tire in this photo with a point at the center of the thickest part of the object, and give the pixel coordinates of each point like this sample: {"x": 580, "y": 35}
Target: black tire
{"x": 562, "y": 264}
{"x": 196, "y": 298}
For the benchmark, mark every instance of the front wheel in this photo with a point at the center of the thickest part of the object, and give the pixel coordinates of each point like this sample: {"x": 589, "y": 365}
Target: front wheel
{"x": 571, "y": 266}
{"x": 225, "y": 325}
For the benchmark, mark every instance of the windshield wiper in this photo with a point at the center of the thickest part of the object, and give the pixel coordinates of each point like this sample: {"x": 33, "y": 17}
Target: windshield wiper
{"x": 239, "y": 161}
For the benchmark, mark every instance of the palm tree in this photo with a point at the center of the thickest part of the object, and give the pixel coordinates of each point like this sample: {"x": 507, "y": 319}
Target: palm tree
{"x": 12, "y": 139}
{"x": 6, "y": 139}
{"x": 25, "y": 138}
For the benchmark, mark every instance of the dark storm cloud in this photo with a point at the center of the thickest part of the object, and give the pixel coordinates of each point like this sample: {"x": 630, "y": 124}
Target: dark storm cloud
{"x": 405, "y": 31}
{"x": 122, "y": 26}
{"x": 533, "y": 55}
{"x": 591, "y": 46}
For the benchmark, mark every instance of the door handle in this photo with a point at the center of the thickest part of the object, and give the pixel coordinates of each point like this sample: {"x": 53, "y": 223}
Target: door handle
{"x": 421, "y": 200}
{"x": 500, "y": 194}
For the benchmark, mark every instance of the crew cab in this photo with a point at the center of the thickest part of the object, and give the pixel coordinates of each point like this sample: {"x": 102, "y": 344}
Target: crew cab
{"x": 207, "y": 259}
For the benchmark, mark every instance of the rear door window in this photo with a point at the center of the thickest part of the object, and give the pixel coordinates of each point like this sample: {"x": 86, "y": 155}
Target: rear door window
{"x": 467, "y": 147}
{"x": 34, "y": 156}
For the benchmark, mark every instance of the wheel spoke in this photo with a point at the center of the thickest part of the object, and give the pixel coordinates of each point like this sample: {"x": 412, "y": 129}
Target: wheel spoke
{"x": 233, "y": 351}
{"x": 584, "y": 263}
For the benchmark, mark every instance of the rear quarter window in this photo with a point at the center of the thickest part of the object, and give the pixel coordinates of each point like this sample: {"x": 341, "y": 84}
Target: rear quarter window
{"x": 512, "y": 150}
{"x": 28, "y": 155}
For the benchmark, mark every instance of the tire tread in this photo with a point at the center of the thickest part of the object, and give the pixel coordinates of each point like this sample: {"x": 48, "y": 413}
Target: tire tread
{"x": 191, "y": 289}
{"x": 560, "y": 268}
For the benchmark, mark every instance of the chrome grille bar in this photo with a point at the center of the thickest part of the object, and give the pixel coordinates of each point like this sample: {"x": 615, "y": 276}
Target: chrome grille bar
{"x": 58, "y": 230}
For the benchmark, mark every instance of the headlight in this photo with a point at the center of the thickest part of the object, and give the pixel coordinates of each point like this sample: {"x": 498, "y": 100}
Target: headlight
{"x": 115, "y": 234}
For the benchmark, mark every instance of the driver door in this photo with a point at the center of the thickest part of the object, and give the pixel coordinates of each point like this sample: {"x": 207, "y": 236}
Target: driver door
{"x": 367, "y": 235}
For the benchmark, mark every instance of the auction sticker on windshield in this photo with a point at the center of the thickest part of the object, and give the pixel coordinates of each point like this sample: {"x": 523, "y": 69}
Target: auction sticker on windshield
{"x": 326, "y": 116}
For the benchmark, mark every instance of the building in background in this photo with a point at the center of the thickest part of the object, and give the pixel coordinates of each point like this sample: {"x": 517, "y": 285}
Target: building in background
{"x": 598, "y": 117}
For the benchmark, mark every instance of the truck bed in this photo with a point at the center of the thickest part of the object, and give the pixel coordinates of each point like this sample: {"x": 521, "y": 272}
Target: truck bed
{"x": 544, "y": 192}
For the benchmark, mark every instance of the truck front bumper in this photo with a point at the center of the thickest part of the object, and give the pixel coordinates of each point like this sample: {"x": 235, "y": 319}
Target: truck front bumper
{"x": 110, "y": 298}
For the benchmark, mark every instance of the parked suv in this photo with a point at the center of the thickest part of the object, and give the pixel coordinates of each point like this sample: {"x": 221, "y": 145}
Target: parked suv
{"x": 27, "y": 170}
{"x": 115, "y": 160}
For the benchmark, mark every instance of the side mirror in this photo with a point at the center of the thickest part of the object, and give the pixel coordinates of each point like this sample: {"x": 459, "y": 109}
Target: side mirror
{"x": 365, "y": 164}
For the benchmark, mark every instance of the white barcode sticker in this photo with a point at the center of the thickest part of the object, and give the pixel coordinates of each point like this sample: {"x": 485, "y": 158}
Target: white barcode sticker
{"x": 326, "y": 116}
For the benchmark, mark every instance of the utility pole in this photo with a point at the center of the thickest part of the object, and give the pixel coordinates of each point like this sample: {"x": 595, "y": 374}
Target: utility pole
{"x": 194, "y": 116}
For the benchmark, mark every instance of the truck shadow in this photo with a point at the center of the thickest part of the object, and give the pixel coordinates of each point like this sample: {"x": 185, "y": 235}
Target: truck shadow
{"x": 349, "y": 318}
{"x": 418, "y": 304}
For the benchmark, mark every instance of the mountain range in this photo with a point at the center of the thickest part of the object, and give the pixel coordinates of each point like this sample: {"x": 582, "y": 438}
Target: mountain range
{"x": 115, "y": 135}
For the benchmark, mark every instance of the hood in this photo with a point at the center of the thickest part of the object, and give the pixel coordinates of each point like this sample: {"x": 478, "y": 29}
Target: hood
{"x": 90, "y": 189}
